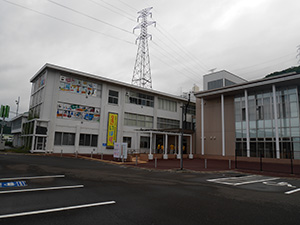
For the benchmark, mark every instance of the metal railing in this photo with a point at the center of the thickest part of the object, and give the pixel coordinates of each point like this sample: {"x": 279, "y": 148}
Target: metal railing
{"x": 266, "y": 161}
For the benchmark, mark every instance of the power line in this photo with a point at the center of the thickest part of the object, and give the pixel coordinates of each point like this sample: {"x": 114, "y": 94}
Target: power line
{"x": 116, "y": 8}
{"x": 175, "y": 61}
{"x": 179, "y": 46}
{"x": 112, "y": 10}
{"x": 91, "y": 17}
{"x": 67, "y": 22}
{"x": 135, "y": 10}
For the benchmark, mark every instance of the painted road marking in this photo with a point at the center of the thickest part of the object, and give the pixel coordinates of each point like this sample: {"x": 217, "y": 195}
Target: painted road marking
{"x": 13, "y": 184}
{"x": 279, "y": 184}
{"x": 29, "y": 178}
{"x": 242, "y": 180}
{"x": 56, "y": 209}
{"x": 42, "y": 189}
{"x": 292, "y": 191}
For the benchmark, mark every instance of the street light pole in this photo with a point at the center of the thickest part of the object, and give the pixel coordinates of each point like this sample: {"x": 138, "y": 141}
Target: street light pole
{"x": 17, "y": 103}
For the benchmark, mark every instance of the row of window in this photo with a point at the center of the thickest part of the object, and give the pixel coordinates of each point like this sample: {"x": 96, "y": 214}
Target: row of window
{"x": 63, "y": 138}
{"x": 90, "y": 140}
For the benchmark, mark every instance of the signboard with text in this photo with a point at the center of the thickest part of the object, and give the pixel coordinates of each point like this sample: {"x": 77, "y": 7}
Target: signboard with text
{"x": 112, "y": 129}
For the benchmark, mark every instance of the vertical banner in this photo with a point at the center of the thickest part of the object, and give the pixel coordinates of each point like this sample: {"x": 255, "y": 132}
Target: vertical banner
{"x": 112, "y": 129}
{"x": 4, "y": 112}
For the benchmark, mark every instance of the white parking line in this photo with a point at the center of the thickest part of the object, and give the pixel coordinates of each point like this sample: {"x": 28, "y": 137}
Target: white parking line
{"x": 241, "y": 180}
{"x": 292, "y": 191}
{"x": 29, "y": 178}
{"x": 56, "y": 209}
{"x": 255, "y": 181}
{"x": 42, "y": 189}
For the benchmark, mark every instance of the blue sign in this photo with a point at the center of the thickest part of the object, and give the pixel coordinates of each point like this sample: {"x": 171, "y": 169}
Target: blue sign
{"x": 13, "y": 184}
{"x": 104, "y": 144}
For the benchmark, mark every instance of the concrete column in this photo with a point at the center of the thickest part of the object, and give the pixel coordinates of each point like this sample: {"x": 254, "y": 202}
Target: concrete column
{"x": 150, "y": 156}
{"x": 166, "y": 147}
{"x": 191, "y": 147}
{"x": 202, "y": 126}
{"x": 247, "y": 123}
{"x": 276, "y": 122}
{"x": 179, "y": 147}
{"x": 223, "y": 125}
{"x": 77, "y": 137}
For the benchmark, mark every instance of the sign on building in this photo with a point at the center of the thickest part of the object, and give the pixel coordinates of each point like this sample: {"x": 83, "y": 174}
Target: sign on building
{"x": 112, "y": 129}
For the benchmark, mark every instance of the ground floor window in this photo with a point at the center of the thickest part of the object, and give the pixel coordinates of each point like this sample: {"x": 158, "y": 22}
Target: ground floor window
{"x": 62, "y": 138}
{"x": 88, "y": 140}
{"x": 145, "y": 142}
{"x": 128, "y": 141}
{"x": 266, "y": 147}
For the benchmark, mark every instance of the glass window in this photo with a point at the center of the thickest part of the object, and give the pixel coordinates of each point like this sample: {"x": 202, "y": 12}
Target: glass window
{"x": 167, "y": 123}
{"x": 57, "y": 138}
{"x": 128, "y": 141}
{"x": 139, "y": 99}
{"x": 94, "y": 142}
{"x": 88, "y": 140}
{"x": 145, "y": 142}
{"x": 137, "y": 120}
{"x": 113, "y": 97}
{"x": 68, "y": 139}
{"x": 167, "y": 105}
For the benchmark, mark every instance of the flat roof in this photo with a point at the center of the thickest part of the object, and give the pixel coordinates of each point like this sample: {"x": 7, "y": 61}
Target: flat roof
{"x": 287, "y": 79}
{"x": 104, "y": 79}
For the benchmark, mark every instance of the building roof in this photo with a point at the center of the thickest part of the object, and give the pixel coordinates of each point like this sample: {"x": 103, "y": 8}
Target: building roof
{"x": 260, "y": 84}
{"x": 104, "y": 79}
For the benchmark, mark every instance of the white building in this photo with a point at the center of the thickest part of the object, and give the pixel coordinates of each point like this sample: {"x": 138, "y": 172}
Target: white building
{"x": 220, "y": 79}
{"x": 73, "y": 111}
{"x": 16, "y": 129}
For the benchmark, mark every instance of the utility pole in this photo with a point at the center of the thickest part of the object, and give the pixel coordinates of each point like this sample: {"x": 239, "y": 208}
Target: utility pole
{"x": 183, "y": 127}
{"x": 142, "y": 72}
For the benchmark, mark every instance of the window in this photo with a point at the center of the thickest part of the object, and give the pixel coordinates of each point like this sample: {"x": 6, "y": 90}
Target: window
{"x": 145, "y": 142}
{"x": 191, "y": 109}
{"x": 61, "y": 138}
{"x": 88, "y": 140}
{"x": 167, "y": 123}
{"x": 113, "y": 97}
{"x": 137, "y": 120}
{"x": 139, "y": 99}
{"x": 215, "y": 84}
{"x": 167, "y": 105}
{"x": 128, "y": 141}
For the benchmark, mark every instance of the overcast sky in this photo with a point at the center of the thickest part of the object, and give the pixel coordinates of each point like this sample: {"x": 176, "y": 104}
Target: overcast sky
{"x": 249, "y": 38}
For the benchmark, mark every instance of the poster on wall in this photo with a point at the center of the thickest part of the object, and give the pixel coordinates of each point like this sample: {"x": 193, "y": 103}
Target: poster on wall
{"x": 112, "y": 128}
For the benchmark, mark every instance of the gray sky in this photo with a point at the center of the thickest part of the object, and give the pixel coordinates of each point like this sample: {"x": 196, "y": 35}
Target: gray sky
{"x": 249, "y": 38}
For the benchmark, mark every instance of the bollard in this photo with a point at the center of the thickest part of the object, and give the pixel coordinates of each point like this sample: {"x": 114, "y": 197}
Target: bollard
{"x": 61, "y": 152}
{"x": 91, "y": 154}
{"x": 136, "y": 160}
{"x": 205, "y": 163}
{"x": 155, "y": 162}
{"x": 230, "y": 164}
{"x": 76, "y": 154}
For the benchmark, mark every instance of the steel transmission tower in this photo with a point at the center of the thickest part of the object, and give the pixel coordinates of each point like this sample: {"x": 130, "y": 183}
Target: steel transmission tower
{"x": 142, "y": 72}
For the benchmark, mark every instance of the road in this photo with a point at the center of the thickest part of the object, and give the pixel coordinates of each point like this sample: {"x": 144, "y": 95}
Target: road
{"x": 63, "y": 191}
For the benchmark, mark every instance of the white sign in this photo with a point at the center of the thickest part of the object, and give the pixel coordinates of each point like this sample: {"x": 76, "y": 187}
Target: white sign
{"x": 120, "y": 150}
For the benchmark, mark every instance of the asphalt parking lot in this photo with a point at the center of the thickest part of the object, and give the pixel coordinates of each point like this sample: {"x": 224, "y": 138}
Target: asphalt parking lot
{"x": 52, "y": 190}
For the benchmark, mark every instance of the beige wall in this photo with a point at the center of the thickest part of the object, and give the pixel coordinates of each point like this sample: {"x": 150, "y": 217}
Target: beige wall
{"x": 213, "y": 126}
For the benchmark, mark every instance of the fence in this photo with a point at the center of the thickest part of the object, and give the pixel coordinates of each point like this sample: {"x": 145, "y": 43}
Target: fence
{"x": 261, "y": 162}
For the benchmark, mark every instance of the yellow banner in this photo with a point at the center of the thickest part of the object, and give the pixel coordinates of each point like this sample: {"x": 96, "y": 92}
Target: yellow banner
{"x": 112, "y": 129}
